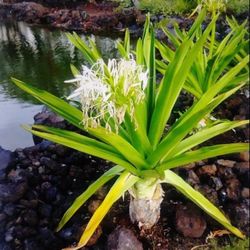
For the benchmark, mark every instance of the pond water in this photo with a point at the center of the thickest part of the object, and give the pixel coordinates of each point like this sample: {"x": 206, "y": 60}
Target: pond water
{"x": 42, "y": 58}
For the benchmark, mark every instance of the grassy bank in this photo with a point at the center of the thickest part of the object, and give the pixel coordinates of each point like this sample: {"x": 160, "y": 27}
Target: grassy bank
{"x": 181, "y": 6}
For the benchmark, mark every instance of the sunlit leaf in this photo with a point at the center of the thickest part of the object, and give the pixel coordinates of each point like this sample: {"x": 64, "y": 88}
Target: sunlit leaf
{"x": 123, "y": 183}
{"x": 80, "y": 200}
{"x": 182, "y": 186}
{"x": 84, "y": 147}
{"x": 203, "y": 153}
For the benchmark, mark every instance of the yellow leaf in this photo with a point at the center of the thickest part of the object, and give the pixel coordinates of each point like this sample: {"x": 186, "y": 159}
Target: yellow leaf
{"x": 123, "y": 183}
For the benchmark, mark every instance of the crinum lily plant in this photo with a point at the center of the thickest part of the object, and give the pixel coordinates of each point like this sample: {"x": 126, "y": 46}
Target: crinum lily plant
{"x": 125, "y": 118}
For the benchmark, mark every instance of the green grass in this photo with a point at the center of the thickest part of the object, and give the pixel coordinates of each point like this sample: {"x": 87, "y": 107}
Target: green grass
{"x": 123, "y": 3}
{"x": 168, "y": 6}
{"x": 238, "y": 6}
{"x": 182, "y": 6}
{"x": 233, "y": 244}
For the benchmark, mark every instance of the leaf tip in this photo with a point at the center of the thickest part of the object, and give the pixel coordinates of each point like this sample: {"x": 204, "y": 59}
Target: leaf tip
{"x": 25, "y": 127}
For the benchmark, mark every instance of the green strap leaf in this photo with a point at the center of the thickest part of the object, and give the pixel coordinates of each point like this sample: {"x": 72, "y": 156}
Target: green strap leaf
{"x": 62, "y": 108}
{"x": 201, "y": 154}
{"x": 124, "y": 47}
{"x": 127, "y": 42}
{"x": 85, "y": 148}
{"x": 173, "y": 81}
{"x": 225, "y": 79}
{"x": 81, "y": 199}
{"x": 220, "y": 61}
{"x": 137, "y": 132}
{"x": 207, "y": 69}
{"x": 90, "y": 52}
{"x": 121, "y": 145}
{"x": 78, "y": 43}
{"x": 137, "y": 129}
{"x": 74, "y": 116}
{"x": 166, "y": 95}
{"x": 150, "y": 90}
{"x": 196, "y": 27}
{"x": 172, "y": 37}
{"x": 166, "y": 53}
{"x": 121, "y": 49}
{"x": 238, "y": 80}
{"x": 76, "y": 137}
{"x": 96, "y": 54}
{"x": 148, "y": 52}
{"x": 204, "y": 135}
{"x": 139, "y": 52}
{"x": 182, "y": 186}
{"x": 184, "y": 126}
{"x": 123, "y": 183}
{"x": 204, "y": 102}
{"x": 74, "y": 70}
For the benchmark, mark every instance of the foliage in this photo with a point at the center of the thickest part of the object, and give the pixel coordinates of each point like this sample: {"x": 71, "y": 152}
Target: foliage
{"x": 238, "y": 6}
{"x": 216, "y": 242}
{"x": 213, "y": 6}
{"x": 236, "y": 244}
{"x": 167, "y": 7}
{"x": 124, "y": 3}
{"x": 186, "y": 6}
{"x": 215, "y": 59}
{"x": 230, "y": 244}
{"x": 141, "y": 147}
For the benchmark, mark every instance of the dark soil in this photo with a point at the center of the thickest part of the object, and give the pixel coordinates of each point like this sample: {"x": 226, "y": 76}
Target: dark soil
{"x": 38, "y": 184}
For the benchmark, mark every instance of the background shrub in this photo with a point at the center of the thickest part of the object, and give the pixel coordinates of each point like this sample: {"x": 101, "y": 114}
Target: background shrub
{"x": 238, "y": 6}
{"x": 168, "y": 6}
{"x": 181, "y": 6}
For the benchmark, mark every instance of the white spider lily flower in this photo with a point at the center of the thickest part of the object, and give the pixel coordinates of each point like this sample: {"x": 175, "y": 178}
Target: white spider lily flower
{"x": 107, "y": 92}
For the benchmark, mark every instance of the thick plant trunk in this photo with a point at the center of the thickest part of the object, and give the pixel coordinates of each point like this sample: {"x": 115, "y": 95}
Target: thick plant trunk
{"x": 145, "y": 203}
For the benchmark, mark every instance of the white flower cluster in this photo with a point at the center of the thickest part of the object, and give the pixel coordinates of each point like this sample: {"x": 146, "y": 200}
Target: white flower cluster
{"x": 107, "y": 91}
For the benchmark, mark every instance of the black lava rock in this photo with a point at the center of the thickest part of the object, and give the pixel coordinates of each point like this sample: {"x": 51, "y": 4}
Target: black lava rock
{"x": 11, "y": 192}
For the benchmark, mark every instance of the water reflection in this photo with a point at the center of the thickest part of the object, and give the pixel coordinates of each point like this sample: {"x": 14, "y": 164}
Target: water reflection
{"x": 38, "y": 56}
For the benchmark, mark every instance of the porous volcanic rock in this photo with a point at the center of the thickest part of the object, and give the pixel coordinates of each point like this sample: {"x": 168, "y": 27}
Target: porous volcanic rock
{"x": 123, "y": 239}
{"x": 189, "y": 221}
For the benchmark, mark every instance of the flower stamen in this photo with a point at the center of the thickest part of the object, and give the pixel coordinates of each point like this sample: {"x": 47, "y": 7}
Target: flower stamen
{"x": 108, "y": 96}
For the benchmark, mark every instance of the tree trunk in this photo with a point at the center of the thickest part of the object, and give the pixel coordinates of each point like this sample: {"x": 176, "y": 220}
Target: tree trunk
{"x": 145, "y": 202}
